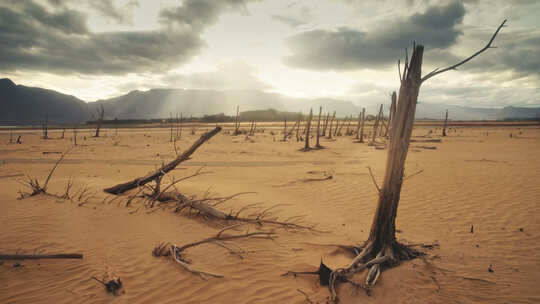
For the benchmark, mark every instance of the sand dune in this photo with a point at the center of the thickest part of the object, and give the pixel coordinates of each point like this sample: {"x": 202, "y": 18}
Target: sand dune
{"x": 488, "y": 181}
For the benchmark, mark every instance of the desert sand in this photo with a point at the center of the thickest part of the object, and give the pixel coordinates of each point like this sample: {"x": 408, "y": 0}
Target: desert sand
{"x": 476, "y": 176}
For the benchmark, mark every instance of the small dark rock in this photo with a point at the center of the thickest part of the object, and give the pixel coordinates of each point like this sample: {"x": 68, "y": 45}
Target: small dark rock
{"x": 490, "y": 268}
{"x": 17, "y": 265}
{"x": 521, "y": 229}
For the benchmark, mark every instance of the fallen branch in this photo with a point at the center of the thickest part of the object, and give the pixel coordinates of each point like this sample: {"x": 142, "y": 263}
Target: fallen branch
{"x": 40, "y": 256}
{"x": 121, "y": 188}
{"x": 219, "y": 239}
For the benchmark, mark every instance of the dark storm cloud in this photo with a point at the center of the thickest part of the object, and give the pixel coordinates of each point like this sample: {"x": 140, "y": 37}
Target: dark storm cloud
{"x": 197, "y": 14}
{"x": 346, "y": 48}
{"x": 67, "y": 21}
{"x": 33, "y": 38}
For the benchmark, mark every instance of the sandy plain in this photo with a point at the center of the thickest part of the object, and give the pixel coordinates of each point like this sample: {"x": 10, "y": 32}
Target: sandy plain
{"x": 477, "y": 175}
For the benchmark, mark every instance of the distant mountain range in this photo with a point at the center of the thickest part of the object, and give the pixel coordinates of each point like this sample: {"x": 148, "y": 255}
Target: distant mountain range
{"x": 28, "y": 105}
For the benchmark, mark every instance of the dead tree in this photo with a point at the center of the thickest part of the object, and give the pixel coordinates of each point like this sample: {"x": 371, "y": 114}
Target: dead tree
{"x": 141, "y": 181}
{"x": 330, "y": 127}
{"x": 325, "y": 124}
{"x": 45, "y": 127}
{"x": 101, "y": 113}
{"x": 284, "y": 129}
{"x": 237, "y": 121}
{"x": 252, "y": 128}
{"x": 445, "y": 123}
{"x": 171, "y": 125}
{"x": 10, "y": 135}
{"x": 318, "y": 145}
{"x": 362, "y": 126}
{"x": 298, "y": 124}
{"x": 392, "y": 113}
{"x": 308, "y": 128}
{"x": 358, "y": 126}
{"x": 336, "y": 129}
{"x": 376, "y": 126}
{"x": 63, "y": 133}
{"x": 75, "y": 136}
{"x": 381, "y": 248}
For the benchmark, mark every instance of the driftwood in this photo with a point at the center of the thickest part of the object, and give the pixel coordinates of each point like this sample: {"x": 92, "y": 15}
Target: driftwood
{"x": 220, "y": 239}
{"x": 121, "y": 188}
{"x": 40, "y": 256}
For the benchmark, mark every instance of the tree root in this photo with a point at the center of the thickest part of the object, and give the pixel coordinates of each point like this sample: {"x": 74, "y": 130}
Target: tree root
{"x": 373, "y": 260}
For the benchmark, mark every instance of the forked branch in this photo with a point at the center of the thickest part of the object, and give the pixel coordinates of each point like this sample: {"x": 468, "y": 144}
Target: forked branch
{"x": 438, "y": 71}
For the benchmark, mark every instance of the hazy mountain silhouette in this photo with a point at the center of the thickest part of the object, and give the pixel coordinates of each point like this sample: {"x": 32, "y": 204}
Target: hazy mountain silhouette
{"x": 21, "y": 104}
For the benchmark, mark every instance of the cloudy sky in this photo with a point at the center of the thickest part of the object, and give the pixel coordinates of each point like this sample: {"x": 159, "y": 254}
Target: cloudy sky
{"x": 346, "y": 49}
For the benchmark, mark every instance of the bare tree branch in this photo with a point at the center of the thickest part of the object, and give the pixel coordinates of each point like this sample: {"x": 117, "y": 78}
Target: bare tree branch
{"x": 453, "y": 67}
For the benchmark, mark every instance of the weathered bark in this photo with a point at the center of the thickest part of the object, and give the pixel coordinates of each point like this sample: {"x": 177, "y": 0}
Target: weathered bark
{"x": 308, "y": 128}
{"x": 101, "y": 113}
{"x": 382, "y": 234}
{"x": 445, "y": 123}
{"x": 75, "y": 137}
{"x": 121, "y": 188}
{"x": 318, "y": 145}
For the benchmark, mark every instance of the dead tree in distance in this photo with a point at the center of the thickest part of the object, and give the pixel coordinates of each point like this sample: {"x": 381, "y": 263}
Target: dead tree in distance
{"x": 237, "y": 121}
{"x": 101, "y": 113}
{"x": 376, "y": 126}
{"x": 381, "y": 247}
{"x": 45, "y": 127}
{"x": 308, "y": 128}
{"x": 318, "y": 145}
{"x": 392, "y": 113}
{"x": 445, "y": 122}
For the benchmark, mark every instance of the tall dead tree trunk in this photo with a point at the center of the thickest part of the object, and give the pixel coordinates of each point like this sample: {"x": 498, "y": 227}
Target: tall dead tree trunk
{"x": 101, "y": 113}
{"x": 445, "y": 122}
{"x": 75, "y": 137}
{"x": 11, "y": 136}
{"x": 318, "y": 145}
{"x": 381, "y": 246}
{"x": 308, "y": 128}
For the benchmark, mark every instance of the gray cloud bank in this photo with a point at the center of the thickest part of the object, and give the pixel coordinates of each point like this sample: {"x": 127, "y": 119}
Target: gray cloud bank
{"x": 59, "y": 41}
